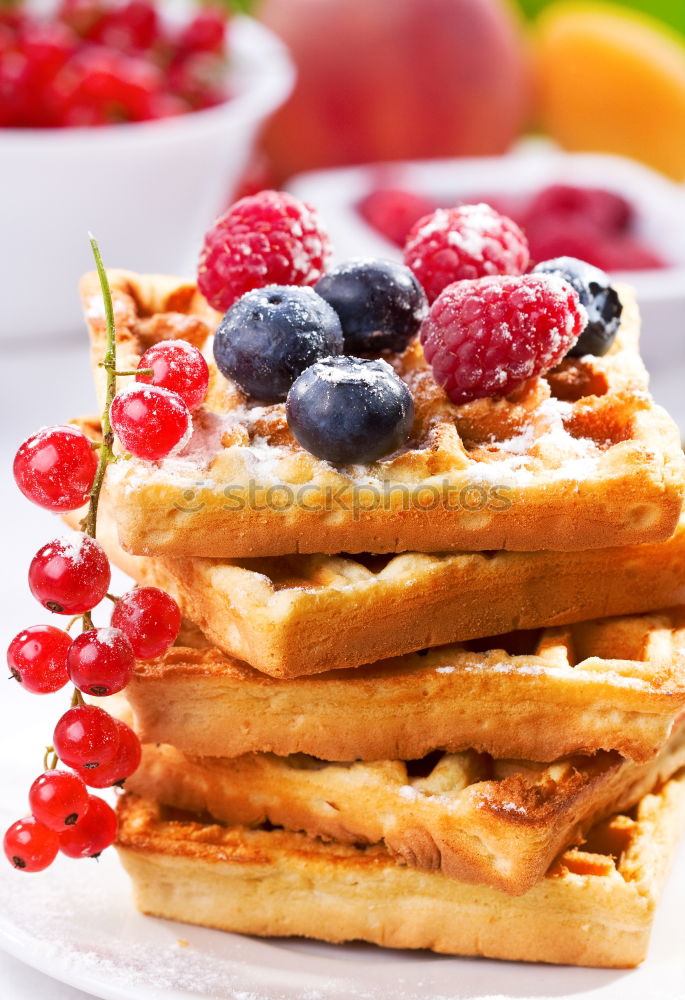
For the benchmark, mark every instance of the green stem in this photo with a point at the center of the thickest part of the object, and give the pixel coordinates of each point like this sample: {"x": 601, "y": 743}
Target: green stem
{"x": 105, "y": 455}
{"x": 109, "y": 363}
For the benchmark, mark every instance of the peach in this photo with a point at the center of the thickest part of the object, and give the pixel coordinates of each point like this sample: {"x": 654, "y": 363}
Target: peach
{"x": 397, "y": 79}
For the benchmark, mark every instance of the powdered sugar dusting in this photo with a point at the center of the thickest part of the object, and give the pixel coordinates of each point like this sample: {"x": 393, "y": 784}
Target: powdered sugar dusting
{"x": 86, "y": 931}
{"x": 71, "y": 546}
{"x": 109, "y": 636}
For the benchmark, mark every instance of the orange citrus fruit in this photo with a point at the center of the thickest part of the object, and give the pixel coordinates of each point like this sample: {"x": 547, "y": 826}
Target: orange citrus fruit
{"x": 612, "y": 80}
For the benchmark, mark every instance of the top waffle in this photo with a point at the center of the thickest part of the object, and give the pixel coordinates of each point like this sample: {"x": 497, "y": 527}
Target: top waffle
{"x": 580, "y": 458}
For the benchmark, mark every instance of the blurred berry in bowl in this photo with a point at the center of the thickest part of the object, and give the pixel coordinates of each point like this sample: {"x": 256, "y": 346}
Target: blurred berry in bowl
{"x": 120, "y": 120}
{"x": 592, "y": 223}
{"x": 99, "y": 62}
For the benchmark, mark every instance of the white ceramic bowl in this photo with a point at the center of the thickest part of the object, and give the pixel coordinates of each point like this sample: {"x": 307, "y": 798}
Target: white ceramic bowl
{"x": 148, "y": 191}
{"x": 660, "y": 206}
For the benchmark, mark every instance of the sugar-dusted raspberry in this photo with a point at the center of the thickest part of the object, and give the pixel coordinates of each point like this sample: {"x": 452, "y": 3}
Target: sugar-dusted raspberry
{"x": 486, "y": 337}
{"x": 463, "y": 243}
{"x": 268, "y": 238}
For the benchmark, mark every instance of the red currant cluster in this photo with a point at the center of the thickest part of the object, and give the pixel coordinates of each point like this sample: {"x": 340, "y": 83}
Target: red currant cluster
{"x": 60, "y": 469}
{"x": 97, "y": 62}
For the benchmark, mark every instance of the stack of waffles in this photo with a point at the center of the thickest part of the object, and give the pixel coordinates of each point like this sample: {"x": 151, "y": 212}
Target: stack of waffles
{"x": 470, "y": 741}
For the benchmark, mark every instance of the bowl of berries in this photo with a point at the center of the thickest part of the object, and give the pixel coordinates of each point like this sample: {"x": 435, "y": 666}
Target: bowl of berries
{"x": 123, "y": 117}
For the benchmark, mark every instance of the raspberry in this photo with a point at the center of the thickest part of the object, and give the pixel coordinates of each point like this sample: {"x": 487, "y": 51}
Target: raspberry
{"x": 470, "y": 241}
{"x": 574, "y": 236}
{"x": 486, "y": 337}
{"x": 393, "y": 211}
{"x": 606, "y": 211}
{"x": 268, "y": 238}
{"x": 626, "y": 253}
{"x": 562, "y": 236}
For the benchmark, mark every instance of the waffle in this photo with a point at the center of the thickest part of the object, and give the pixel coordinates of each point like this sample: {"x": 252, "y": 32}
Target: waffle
{"x": 595, "y": 907}
{"x": 615, "y": 684}
{"x": 293, "y": 615}
{"x": 579, "y": 459}
{"x": 479, "y": 820}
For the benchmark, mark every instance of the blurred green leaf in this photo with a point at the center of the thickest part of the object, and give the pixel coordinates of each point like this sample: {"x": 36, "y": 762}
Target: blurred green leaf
{"x": 233, "y": 6}
{"x": 669, "y": 11}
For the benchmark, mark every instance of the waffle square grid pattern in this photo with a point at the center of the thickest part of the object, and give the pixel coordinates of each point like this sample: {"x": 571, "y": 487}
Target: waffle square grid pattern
{"x": 594, "y": 907}
{"x": 615, "y": 684}
{"x": 581, "y": 458}
{"x": 471, "y": 740}
{"x": 473, "y": 818}
{"x": 295, "y": 615}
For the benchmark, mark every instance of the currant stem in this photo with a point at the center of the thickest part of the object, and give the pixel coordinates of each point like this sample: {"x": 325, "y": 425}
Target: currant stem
{"x": 49, "y": 764}
{"x": 109, "y": 364}
{"x": 77, "y": 699}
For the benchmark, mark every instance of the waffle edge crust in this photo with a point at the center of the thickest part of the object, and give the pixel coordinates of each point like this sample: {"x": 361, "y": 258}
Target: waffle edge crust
{"x": 595, "y": 906}
{"x": 291, "y": 615}
{"x": 498, "y": 823}
{"x": 614, "y": 684}
{"x": 580, "y": 459}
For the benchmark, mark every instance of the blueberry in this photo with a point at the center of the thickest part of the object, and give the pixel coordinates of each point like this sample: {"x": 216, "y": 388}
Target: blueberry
{"x": 271, "y": 335}
{"x": 350, "y": 410}
{"x": 600, "y": 299}
{"x": 380, "y": 304}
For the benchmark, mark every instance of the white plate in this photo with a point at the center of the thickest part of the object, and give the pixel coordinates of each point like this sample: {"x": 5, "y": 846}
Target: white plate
{"x": 77, "y": 923}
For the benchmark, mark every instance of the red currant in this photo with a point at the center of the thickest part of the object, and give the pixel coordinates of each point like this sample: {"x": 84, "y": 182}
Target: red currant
{"x": 167, "y": 106}
{"x": 129, "y": 27}
{"x": 37, "y": 658}
{"x": 124, "y": 764}
{"x": 86, "y": 737}
{"x": 150, "y": 421}
{"x": 55, "y": 468}
{"x": 178, "y": 366}
{"x": 150, "y": 618}
{"x": 83, "y": 16}
{"x": 58, "y": 799}
{"x": 103, "y": 85}
{"x": 101, "y": 661}
{"x": 206, "y": 32}
{"x": 30, "y": 846}
{"x": 93, "y": 833}
{"x": 199, "y": 79}
{"x": 70, "y": 575}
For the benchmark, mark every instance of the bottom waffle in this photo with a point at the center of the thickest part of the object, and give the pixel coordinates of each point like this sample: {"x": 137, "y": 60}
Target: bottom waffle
{"x": 594, "y": 907}
{"x": 493, "y": 822}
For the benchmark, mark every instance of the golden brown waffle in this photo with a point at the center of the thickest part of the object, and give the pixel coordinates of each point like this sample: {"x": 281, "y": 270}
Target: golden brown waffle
{"x": 303, "y": 614}
{"x": 581, "y": 458}
{"x": 499, "y": 823}
{"x": 615, "y": 684}
{"x": 595, "y": 907}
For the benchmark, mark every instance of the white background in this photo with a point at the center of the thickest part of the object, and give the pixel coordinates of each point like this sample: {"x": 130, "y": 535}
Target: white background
{"x": 44, "y": 383}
